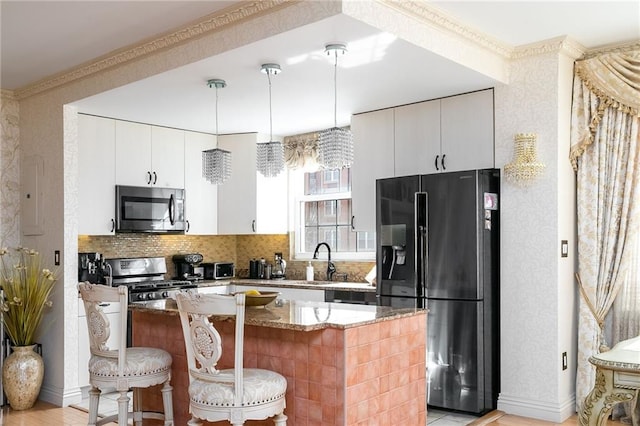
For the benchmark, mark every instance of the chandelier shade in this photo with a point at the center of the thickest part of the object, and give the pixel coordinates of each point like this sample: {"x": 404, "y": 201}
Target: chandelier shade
{"x": 216, "y": 163}
{"x": 270, "y": 158}
{"x": 270, "y": 155}
{"x": 335, "y": 145}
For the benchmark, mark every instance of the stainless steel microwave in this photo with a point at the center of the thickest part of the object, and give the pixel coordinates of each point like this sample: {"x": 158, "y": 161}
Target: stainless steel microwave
{"x": 150, "y": 209}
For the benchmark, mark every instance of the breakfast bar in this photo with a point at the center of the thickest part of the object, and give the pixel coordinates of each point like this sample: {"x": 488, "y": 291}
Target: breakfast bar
{"x": 344, "y": 364}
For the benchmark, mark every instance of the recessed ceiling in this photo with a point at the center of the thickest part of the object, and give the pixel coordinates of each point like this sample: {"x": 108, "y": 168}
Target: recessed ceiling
{"x": 379, "y": 70}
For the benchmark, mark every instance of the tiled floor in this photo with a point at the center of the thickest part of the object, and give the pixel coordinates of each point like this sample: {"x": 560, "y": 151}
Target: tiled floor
{"x": 445, "y": 418}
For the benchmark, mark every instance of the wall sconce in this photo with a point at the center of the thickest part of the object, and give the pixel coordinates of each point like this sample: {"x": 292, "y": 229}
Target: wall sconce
{"x": 525, "y": 167}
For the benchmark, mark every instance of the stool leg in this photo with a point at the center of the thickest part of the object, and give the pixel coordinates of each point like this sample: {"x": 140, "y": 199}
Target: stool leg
{"x": 167, "y": 402}
{"x": 137, "y": 407}
{"x": 194, "y": 422}
{"x": 123, "y": 408}
{"x": 280, "y": 420}
{"x": 94, "y": 399}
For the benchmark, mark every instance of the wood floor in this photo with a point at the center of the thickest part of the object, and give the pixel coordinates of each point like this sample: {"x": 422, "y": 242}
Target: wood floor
{"x": 46, "y": 414}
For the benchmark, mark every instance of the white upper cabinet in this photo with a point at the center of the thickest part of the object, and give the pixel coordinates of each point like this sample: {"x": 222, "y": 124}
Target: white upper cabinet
{"x": 149, "y": 155}
{"x": 417, "y": 138}
{"x": 249, "y": 203}
{"x": 96, "y": 175}
{"x": 167, "y": 157}
{"x": 201, "y": 195}
{"x": 467, "y": 132}
{"x": 373, "y": 158}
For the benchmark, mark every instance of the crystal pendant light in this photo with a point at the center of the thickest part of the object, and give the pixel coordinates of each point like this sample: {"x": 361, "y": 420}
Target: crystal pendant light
{"x": 270, "y": 155}
{"x": 216, "y": 163}
{"x": 335, "y": 145}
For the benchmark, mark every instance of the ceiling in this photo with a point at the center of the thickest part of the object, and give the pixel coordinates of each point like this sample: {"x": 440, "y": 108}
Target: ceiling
{"x": 42, "y": 38}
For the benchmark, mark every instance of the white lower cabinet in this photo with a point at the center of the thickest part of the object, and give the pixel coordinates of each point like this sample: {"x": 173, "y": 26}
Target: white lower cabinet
{"x": 215, "y": 289}
{"x": 289, "y": 293}
{"x": 112, "y": 311}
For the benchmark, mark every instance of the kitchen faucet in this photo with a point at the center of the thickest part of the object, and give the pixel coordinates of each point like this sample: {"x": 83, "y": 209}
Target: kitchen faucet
{"x": 331, "y": 268}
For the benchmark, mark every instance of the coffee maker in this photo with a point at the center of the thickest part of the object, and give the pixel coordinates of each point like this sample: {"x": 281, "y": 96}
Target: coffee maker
{"x": 91, "y": 268}
{"x": 186, "y": 266}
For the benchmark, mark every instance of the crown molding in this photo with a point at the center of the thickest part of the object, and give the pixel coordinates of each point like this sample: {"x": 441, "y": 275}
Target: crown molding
{"x": 441, "y": 20}
{"x": 562, "y": 44}
{"x": 8, "y": 94}
{"x": 211, "y": 23}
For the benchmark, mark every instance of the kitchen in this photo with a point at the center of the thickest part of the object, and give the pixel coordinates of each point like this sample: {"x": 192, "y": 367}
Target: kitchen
{"x": 536, "y": 284}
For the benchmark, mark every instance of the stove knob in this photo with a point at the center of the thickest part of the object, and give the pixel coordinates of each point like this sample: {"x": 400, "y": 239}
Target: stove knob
{"x": 140, "y": 296}
{"x": 151, "y": 296}
{"x": 165, "y": 294}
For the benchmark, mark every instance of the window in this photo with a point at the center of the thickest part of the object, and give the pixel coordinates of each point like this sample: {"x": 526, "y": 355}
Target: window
{"x": 324, "y": 214}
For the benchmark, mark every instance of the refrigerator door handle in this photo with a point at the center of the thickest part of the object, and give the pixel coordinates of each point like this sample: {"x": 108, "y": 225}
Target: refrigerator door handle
{"x": 421, "y": 243}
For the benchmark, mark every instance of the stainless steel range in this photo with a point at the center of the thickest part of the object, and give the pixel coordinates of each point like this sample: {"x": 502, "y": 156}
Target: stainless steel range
{"x": 144, "y": 277}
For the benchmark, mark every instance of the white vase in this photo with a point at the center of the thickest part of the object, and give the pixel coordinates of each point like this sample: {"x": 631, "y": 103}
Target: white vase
{"x": 22, "y": 375}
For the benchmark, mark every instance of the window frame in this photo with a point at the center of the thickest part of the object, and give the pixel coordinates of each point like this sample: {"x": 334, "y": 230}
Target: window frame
{"x": 297, "y": 213}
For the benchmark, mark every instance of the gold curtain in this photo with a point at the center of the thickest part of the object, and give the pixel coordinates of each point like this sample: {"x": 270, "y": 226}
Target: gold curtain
{"x": 605, "y": 151}
{"x": 301, "y": 151}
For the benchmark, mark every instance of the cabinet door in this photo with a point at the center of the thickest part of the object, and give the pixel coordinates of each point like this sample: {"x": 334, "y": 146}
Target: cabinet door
{"x": 373, "y": 158}
{"x": 201, "y": 195}
{"x": 96, "y": 175}
{"x": 167, "y": 157}
{"x": 237, "y": 196}
{"x": 272, "y": 201}
{"x": 417, "y": 138}
{"x": 467, "y": 131}
{"x": 133, "y": 154}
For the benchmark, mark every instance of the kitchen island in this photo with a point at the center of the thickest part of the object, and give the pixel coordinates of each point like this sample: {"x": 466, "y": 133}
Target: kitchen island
{"x": 344, "y": 364}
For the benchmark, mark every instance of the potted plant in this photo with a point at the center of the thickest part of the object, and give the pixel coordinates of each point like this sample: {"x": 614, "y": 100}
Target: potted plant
{"x": 26, "y": 286}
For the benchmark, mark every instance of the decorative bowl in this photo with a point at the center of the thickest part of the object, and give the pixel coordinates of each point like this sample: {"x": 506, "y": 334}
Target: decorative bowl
{"x": 262, "y": 299}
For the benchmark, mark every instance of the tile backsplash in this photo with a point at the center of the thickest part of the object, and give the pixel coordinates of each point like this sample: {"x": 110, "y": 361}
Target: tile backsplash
{"x": 215, "y": 248}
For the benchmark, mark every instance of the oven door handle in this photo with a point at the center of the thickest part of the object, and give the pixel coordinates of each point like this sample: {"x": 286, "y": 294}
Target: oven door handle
{"x": 172, "y": 208}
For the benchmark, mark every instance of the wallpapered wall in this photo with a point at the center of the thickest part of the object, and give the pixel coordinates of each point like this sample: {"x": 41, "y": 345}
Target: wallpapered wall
{"x": 215, "y": 248}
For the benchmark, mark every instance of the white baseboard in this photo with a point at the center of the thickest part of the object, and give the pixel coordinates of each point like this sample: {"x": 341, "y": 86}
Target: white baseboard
{"x": 60, "y": 397}
{"x": 540, "y": 410}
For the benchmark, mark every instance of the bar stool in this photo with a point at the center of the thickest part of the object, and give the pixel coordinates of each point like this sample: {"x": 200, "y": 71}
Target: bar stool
{"x": 122, "y": 368}
{"x": 236, "y": 394}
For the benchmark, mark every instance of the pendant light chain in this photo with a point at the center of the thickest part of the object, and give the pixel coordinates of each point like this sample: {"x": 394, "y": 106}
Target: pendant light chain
{"x": 216, "y": 163}
{"x": 335, "y": 145}
{"x": 270, "y": 155}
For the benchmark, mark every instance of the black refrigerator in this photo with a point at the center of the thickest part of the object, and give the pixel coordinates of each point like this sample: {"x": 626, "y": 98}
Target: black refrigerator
{"x": 438, "y": 240}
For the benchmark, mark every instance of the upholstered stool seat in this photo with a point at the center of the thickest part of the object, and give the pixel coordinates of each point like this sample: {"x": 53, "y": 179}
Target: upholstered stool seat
{"x": 122, "y": 368}
{"x": 139, "y": 362}
{"x": 260, "y": 386}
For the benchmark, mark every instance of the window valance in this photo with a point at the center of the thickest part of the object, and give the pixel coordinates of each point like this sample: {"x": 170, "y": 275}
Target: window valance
{"x": 609, "y": 80}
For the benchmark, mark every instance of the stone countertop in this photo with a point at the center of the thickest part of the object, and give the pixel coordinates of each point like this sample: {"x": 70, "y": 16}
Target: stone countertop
{"x": 312, "y": 285}
{"x": 299, "y": 315}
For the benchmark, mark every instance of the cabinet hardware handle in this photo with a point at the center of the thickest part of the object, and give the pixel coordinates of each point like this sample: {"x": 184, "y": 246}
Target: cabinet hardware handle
{"x": 188, "y": 226}
{"x": 104, "y": 305}
{"x": 113, "y": 225}
{"x": 442, "y": 162}
{"x": 172, "y": 210}
{"x": 436, "y": 162}
{"x": 148, "y": 178}
{"x": 353, "y": 227}
{"x": 155, "y": 178}
{"x": 253, "y": 225}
